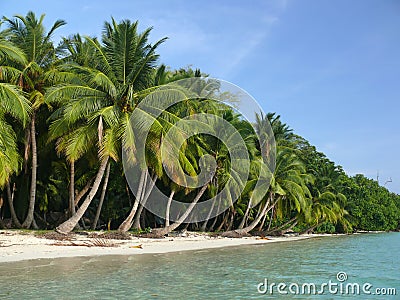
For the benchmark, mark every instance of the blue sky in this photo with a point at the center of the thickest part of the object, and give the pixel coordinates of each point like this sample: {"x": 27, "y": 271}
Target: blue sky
{"x": 331, "y": 69}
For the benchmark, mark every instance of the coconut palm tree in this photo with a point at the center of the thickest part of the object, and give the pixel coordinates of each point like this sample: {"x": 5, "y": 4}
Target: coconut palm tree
{"x": 13, "y": 103}
{"x": 325, "y": 207}
{"x": 29, "y": 35}
{"x": 98, "y": 95}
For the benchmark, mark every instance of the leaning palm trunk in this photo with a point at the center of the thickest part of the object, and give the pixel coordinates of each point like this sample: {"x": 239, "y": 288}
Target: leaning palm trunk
{"x": 32, "y": 195}
{"x": 224, "y": 220}
{"x": 136, "y": 222}
{"x": 230, "y": 224}
{"x": 10, "y": 197}
{"x": 171, "y": 196}
{"x": 216, "y": 218}
{"x": 291, "y": 227}
{"x": 69, "y": 225}
{"x": 83, "y": 191}
{"x": 310, "y": 229}
{"x": 204, "y": 226}
{"x": 72, "y": 189}
{"x": 246, "y": 214}
{"x": 127, "y": 223}
{"x": 246, "y": 230}
{"x": 281, "y": 228}
{"x": 168, "y": 229}
{"x": 270, "y": 220}
{"x": 262, "y": 222}
{"x": 103, "y": 194}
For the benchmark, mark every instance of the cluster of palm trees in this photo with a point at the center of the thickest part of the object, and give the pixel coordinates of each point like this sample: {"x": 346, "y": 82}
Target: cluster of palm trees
{"x": 73, "y": 104}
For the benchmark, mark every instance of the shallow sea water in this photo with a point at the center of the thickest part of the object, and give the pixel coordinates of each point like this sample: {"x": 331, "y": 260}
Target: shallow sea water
{"x": 226, "y": 273}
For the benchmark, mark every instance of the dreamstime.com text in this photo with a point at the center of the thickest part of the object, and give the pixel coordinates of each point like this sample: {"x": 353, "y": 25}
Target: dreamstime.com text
{"x": 339, "y": 287}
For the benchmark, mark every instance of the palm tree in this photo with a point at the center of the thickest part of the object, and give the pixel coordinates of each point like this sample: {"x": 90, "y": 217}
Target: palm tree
{"x": 326, "y": 207}
{"x": 229, "y": 177}
{"x": 13, "y": 103}
{"x": 99, "y": 93}
{"x": 29, "y": 35}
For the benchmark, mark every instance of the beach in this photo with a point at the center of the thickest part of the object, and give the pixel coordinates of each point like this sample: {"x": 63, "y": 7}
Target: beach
{"x": 22, "y": 245}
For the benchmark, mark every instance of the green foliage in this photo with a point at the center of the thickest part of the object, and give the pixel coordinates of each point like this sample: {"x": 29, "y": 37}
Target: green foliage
{"x": 83, "y": 94}
{"x": 371, "y": 206}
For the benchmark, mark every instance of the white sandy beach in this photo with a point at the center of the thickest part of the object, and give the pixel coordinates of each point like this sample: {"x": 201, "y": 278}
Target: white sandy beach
{"x": 19, "y": 245}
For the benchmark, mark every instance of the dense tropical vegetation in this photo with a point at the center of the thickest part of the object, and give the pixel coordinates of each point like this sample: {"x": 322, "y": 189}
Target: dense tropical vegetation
{"x": 65, "y": 119}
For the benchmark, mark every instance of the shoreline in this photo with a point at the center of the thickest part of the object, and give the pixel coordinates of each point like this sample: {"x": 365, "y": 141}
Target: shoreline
{"x": 20, "y": 245}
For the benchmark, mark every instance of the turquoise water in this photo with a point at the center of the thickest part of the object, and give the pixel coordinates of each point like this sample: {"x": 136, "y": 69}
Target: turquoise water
{"x": 228, "y": 273}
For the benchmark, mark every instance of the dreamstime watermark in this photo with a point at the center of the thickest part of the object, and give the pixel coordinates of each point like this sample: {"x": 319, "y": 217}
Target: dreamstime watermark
{"x": 174, "y": 114}
{"x": 338, "y": 287}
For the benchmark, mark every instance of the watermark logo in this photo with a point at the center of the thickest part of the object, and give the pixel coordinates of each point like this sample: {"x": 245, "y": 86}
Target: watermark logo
{"x": 339, "y": 287}
{"x": 341, "y": 276}
{"x": 165, "y": 126}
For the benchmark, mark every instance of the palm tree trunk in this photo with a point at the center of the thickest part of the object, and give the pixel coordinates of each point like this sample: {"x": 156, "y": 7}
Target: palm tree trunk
{"x": 168, "y": 229}
{"x": 253, "y": 224}
{"x": 309, "y": 229}
{"x": 72, "y": 189}
{"x": 244, "y": 219}
{"x": 10, "y": 197}
{"x": 27, "y": 149}
{"x": 103, "y": 194}
{"x": 83, "y": 191}
{"x": 171, "y": 196}
{"x": 34, "y": 225}
{"x": 224, "y": 219}
{"x": 291, "y": 227}
{"x": 127, "y": 223}
{"x": 283, "y": 225}
{"x": 232, "y": 213}
{"x": 270, "y": 220}
{"x": 262, "y": 222}
{"x": 136, "y": 222}
{"x": 32, "y": 197}
{"x": 204, "y": 226}
{"x": 69, "y": 225}
{"x": 216, "y": 217}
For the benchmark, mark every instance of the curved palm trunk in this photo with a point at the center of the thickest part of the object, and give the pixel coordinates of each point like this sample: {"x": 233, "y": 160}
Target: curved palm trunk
{"x": 246, "y": 214}
{"x": 204, "y": 226}
{"x": 83, "y": 191}
{"x": 69, "y": 225}
{"x": 127, "y": 223}
{"x": 224, "y": 220}
{"x": 34, "y": 225}
{"x": 294, "y": 219}
{"x": 171, "y": 196}
{"x": 262, "y": 222}
{"x": 136, "y": 222}
{"x": 230, "y": 224}
{"x": 309, "y": 229}
{"x": 10, "y": 197}
{"x": 72, "y": 189}
{"x": 270, "y": 220}
{"x": 168, "y": 229}
{"x": 253, "y": 224}
{"x": 103, "y": 194}
{"x": 216, "y": 217}
{"x": 32, "y": 197}
{"x": 291, "y": 226}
